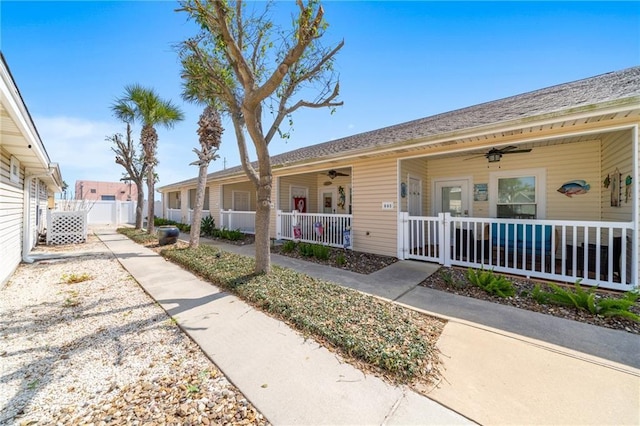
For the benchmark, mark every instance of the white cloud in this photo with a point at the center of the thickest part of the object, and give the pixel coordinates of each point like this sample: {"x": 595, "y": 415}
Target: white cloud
{"x": 79, "y": 147}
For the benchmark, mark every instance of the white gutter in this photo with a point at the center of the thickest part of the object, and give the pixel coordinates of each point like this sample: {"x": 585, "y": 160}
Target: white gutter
{"x": 26, "y": 215}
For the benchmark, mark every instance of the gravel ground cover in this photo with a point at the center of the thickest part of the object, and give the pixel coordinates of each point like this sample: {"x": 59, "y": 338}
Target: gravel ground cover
{"x": 83, "y": 344}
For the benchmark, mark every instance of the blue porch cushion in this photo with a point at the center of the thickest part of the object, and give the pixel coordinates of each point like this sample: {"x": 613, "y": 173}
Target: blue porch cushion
{"x": 520, "y": 236}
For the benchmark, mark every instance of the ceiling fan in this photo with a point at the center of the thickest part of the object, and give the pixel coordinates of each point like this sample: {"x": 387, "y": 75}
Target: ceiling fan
{"x": 495, "y": 154}
{"x": 332, "y": 175}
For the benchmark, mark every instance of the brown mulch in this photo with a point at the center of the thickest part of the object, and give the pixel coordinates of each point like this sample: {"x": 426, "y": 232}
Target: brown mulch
{"x": 454, "y": 280}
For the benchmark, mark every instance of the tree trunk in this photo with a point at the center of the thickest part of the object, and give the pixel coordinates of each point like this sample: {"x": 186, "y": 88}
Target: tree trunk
{"x": 194, "y": 236}
{"x": 139, "y": 204}
{"x": 151, "y": 180}
{"x": 263, "y": 219}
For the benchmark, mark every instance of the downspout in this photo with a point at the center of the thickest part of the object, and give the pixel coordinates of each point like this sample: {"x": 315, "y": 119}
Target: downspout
{"x": 635, "y": 210}
{"x": 26, "y": 223}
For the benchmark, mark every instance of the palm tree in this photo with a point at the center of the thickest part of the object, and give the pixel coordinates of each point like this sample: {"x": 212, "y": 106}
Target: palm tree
{"x": 210, "y": 132}
{"x": 144, "y": 105}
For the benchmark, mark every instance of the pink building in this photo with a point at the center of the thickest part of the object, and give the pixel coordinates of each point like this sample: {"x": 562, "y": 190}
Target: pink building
{"x": 92, "y": 190}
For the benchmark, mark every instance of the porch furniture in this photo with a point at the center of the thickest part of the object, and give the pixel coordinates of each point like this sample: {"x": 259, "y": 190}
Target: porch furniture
{"x": 592, "y": 256}
{"x": 522, "y": 237}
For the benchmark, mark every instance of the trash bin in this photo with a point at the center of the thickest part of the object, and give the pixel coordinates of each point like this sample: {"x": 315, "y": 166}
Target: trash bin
{"x": 167, "y": 234}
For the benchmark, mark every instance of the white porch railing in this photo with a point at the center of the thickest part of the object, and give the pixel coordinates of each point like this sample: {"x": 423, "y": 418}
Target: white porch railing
{"x": 243, "y": 221}
{"x": 205, "y": 213}
{"x": 597, "y": 253}
{"x": 329, "y": 229}
{"x": 175, "y": 215}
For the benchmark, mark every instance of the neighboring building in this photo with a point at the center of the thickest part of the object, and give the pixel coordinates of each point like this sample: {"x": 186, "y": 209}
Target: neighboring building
{"x": 542, "y": 184}
{"x": 105, "y": 191}
{"x": 28, "y": 178}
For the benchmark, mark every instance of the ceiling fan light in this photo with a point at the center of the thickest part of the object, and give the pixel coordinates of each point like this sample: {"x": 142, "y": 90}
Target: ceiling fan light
{"x": 494, "y": 157}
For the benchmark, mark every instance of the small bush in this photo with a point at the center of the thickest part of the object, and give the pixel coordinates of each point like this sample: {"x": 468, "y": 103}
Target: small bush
{"x": 321, "y": 252}
{"x": 207, "y": 226}
{"x": 306, "y": 249}
{"x": 340, "y": 259}
{"x": 491, "y": 283}
{"x": 587, "y": 300}
{"x": 288, "y": 246}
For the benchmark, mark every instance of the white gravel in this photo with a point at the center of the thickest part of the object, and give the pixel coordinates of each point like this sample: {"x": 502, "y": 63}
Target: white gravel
{"x": 101, "y": 351}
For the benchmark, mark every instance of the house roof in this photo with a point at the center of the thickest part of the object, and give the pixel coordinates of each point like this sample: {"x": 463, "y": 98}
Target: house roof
{"x": 605, "y": 90}
{"x": 19, "y": 135}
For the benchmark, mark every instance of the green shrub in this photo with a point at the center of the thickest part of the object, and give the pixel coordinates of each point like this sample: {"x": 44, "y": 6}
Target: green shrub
{"x": 341, "y": 260}
{"x": 321, "y": 252}
{"x": 306, "y": 249}
{"x": 491, "y": 283}
{"x": 587, "y": 300}
{"x": 288, "y": 246}
{"x": 231, "y": 235}
{"x": 207, "y": 226}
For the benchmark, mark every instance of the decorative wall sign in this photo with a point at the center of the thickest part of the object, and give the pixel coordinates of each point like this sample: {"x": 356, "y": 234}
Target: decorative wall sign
{"x": 341, "y": 197}
{"x": 403, "y": 190}
{"x": 615, "y": 189}
{"x": 574, "y": 187}
{"x": 627, "y": 188}
{"x": 480, "y": 192}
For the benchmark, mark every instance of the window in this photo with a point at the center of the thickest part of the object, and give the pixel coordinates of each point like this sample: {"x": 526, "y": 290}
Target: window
{"x": 241, "y": 201}
{"x": 192, "y": 198}
{"x": 518, "y": 194}
{"x": 108, "y": 197}
{"x": 15, "y": 170}
{"x": 92, "y": 190}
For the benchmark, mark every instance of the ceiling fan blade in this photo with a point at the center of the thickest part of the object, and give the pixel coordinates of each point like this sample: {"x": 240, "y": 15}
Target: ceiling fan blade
{"x": 475, "y": 156}
{"x": 505, "y": 149}
{"x": 518, "y": 151}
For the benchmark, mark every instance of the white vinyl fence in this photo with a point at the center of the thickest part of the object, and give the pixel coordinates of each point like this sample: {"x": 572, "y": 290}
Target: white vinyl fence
{"x": 108, "y": 212}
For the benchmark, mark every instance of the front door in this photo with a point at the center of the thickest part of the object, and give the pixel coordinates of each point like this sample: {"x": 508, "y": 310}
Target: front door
{"x": 452, "y": 196}
{"x": 415, "y": 197}
{"x": 328, "y": 201}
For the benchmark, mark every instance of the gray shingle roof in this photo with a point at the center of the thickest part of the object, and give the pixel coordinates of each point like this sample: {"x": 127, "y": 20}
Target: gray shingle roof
{"x": 613, "y": 86}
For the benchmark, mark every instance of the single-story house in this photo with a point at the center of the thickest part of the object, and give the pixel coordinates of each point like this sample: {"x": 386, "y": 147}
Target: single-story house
{"x": 541, "y": 184}
{"x": 28, "y": 178}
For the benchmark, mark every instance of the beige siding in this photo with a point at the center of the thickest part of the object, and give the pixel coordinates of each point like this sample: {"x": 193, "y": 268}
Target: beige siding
{"x": 227, "y": 194}
{"x": 307, "y": 180}
{"x": 415, "y": 168}
{"x": 616, "y": 149}
{"x": 11, "y": 208}
{"x": 374, "y": 182}
{"x": 562, "y": 163}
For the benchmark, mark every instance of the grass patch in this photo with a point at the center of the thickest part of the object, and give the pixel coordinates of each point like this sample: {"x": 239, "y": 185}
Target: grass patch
{"x": 140, "y": 236}
{"x": 394, "y": 342}
{"x": 75, "y": 278}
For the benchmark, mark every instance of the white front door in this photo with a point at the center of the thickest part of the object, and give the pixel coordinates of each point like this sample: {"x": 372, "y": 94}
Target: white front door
{"x": 452, "y": 196}
{"x": 415, "y": 197}
{"x": 328, "y": 200}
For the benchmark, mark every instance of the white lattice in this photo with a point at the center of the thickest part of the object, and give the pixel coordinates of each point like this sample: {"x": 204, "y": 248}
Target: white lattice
{"x": 67, "y": 227}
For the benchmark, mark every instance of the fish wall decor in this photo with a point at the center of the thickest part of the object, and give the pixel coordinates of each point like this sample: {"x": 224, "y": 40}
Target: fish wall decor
{"x": 574, "y": 187}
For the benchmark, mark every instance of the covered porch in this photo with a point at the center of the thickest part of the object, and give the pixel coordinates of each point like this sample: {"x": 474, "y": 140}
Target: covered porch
{"x": 560, "y": 208}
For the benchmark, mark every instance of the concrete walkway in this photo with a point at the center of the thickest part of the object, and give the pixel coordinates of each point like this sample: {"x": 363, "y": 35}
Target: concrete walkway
{"x": 502, "y": 366}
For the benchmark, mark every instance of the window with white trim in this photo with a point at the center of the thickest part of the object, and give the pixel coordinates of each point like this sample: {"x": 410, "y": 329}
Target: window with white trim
{"x": 241, "y": 201}
{"x": 518, "y": 194}
{"x": 15, "y": 170}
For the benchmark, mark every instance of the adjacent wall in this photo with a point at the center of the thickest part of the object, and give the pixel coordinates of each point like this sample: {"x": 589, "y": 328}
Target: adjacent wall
{"x": 11, "y": 210}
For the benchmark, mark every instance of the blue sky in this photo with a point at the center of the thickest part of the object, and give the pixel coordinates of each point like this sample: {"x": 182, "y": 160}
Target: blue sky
{"x": 401, "y": 61}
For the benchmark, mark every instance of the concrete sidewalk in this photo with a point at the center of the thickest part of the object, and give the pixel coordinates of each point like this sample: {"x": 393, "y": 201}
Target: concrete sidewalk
{"x": 492, "y": 375}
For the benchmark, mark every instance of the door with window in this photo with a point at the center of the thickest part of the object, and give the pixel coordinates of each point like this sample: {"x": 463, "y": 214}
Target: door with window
{"x": 452, "y": 196}
{"x": 328, "y": 200}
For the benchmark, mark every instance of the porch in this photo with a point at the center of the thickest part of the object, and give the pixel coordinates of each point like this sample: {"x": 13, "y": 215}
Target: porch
{"x": 597, "y": 253}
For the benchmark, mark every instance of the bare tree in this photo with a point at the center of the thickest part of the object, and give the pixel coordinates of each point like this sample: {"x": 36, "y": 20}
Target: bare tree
{"x": 210, "y": 132}
{"x": 134, "y": 164}
{"x": 246, "y": 63}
